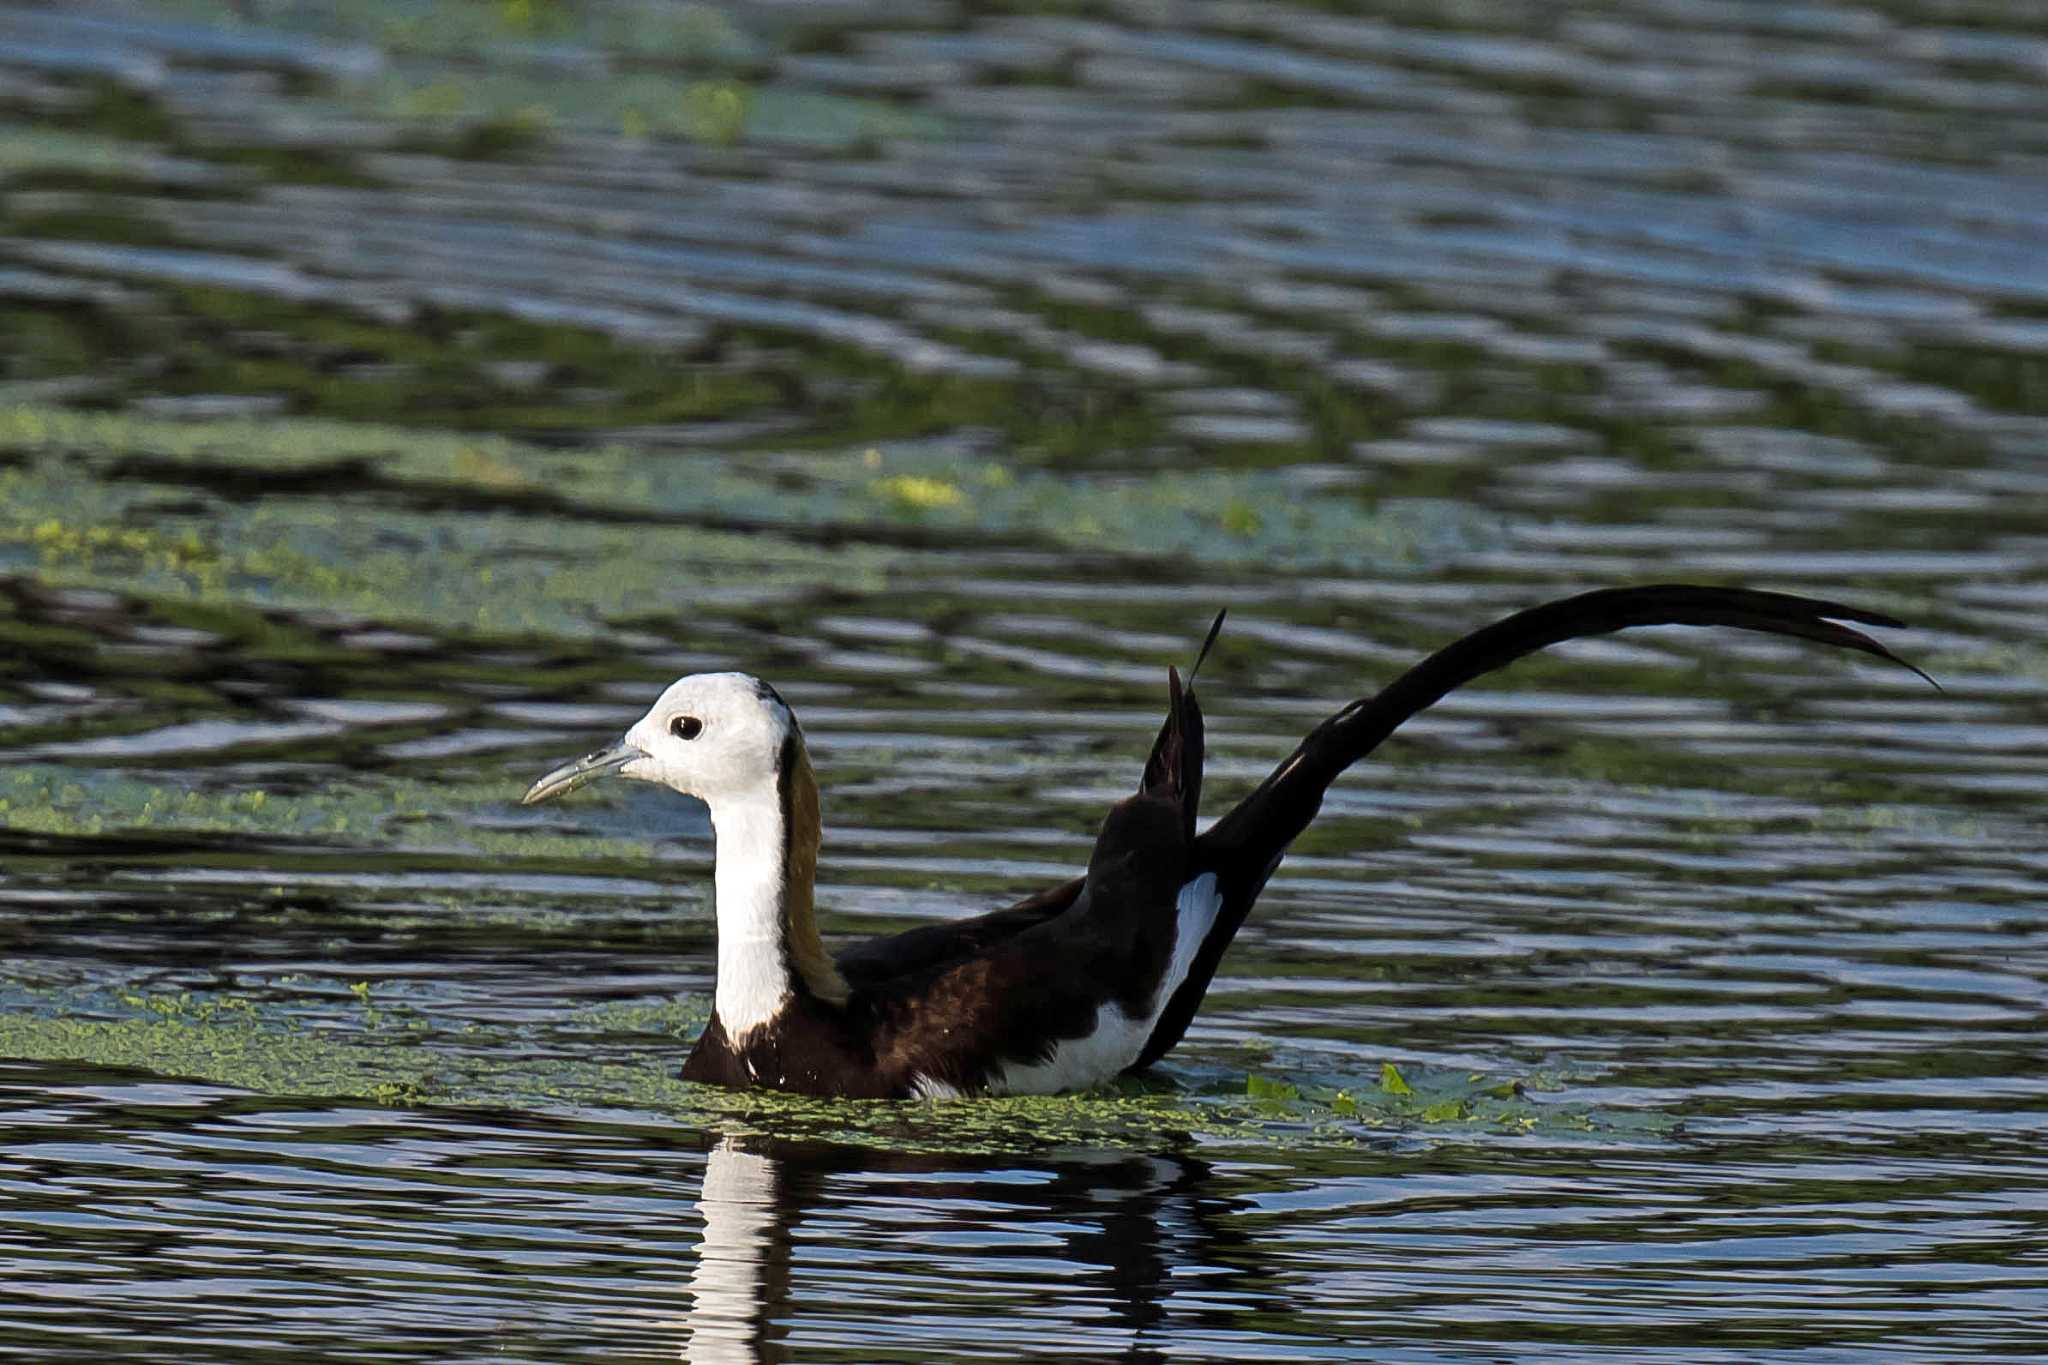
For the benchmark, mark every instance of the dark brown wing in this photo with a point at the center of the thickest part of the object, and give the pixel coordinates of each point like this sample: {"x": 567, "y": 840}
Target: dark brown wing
{"x": 1045, "y": 983}
{"x": 868, "y": 964}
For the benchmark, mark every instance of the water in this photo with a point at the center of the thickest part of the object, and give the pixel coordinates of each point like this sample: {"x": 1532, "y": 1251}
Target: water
{"x": 393, "y": 403}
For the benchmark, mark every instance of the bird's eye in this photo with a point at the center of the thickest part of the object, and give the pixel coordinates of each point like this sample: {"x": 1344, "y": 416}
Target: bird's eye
{"x": 686, "y": 727}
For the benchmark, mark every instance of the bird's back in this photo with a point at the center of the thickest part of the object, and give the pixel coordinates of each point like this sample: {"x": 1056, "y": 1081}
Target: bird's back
{"x": 1053, "y": 994}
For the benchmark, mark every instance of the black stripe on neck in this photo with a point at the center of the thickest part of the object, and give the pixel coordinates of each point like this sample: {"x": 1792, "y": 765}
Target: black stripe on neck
{"x": 785, "y": 800}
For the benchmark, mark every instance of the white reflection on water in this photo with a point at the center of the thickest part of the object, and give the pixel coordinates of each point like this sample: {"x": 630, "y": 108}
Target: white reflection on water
{"x": 926, "y": 1246}
{"x": 728, "y": 1299}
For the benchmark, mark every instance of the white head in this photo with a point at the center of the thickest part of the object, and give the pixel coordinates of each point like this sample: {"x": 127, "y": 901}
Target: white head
{"x": 714, "y": 736}
{"x": 730, "y": 741}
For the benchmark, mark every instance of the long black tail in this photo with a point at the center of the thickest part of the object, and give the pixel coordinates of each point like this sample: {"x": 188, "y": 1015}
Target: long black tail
{"x": 1246, "y": 845}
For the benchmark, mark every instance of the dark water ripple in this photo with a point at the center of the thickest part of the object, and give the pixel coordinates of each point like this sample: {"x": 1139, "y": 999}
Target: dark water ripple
{"x": 508, "y": 1236}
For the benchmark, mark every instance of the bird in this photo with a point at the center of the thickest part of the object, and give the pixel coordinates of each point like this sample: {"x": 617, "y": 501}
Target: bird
{"x": 1081, "y": 982}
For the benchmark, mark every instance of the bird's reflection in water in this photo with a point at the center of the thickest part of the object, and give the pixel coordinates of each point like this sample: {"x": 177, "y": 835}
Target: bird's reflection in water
{"x": 742, "y": 1263}
{"x": 922, "y": 1247}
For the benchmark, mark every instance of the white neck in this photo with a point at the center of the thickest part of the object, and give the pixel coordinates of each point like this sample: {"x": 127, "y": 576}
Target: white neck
{"x": 767, "y": 866}
{"x": 753, "y": 964}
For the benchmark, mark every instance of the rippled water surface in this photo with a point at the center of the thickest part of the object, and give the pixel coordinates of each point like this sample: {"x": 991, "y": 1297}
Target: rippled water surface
{"x": 390, "y": 404}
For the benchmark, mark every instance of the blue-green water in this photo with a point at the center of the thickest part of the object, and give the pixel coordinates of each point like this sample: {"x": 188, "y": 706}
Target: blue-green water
{"x": 390, "y": 404}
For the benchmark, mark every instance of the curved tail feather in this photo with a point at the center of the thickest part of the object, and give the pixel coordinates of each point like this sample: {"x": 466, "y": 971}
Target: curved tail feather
{"x": 1246, "y": 845}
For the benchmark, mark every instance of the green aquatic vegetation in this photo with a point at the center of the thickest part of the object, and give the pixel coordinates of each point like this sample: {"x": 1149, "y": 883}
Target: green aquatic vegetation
{"x": 41, "y": 799}
{"x": 64, "y": 799}
{"x": 1263, "y": 518}
{"x": 56, "y": 543}
{"x": 517, "y": 564}
{"x": 203, "y": 1041}
{"x": 386, "y": 1048}
{"x": 1128, "y": 1116}
{"x": 390, "y": 1062}
{"x": 1241, "y": 519}
{"x": 1471, "y": 1101}
{"x": 917, "y": 492}
{"x": 716, "y": 111}
{"x": 264, "y": 444}
{"x": 502, "y": 574}
{"x": 680, "y": 1018}
{"x": 1266, "y": 1088}
{"x": 57, "y": 800}
{"x": 401, "y": 817}
{"x": 198, "y": 1009}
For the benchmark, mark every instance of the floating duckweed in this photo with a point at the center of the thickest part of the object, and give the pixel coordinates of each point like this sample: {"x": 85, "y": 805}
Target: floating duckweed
{"x": 1266, "y": 1088}
{"x": 125, "y": 550}
{"x": 476, "y": 464}
{"x": 439, "y": 99}
{"x": 1240, "y": 518}
{"x": 395, "y": 814}
{"x": 716, "y": 111}
{"x": 563, "y": 542}
{"x": 919, "y": 492}
{"x": 548, "y": 574}
{"x": 625, "y": 1055}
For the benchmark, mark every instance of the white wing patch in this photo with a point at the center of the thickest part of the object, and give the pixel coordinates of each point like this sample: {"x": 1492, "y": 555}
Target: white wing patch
{"x": 1194, "y": 915}
{"x": 1116, "y": 1039}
